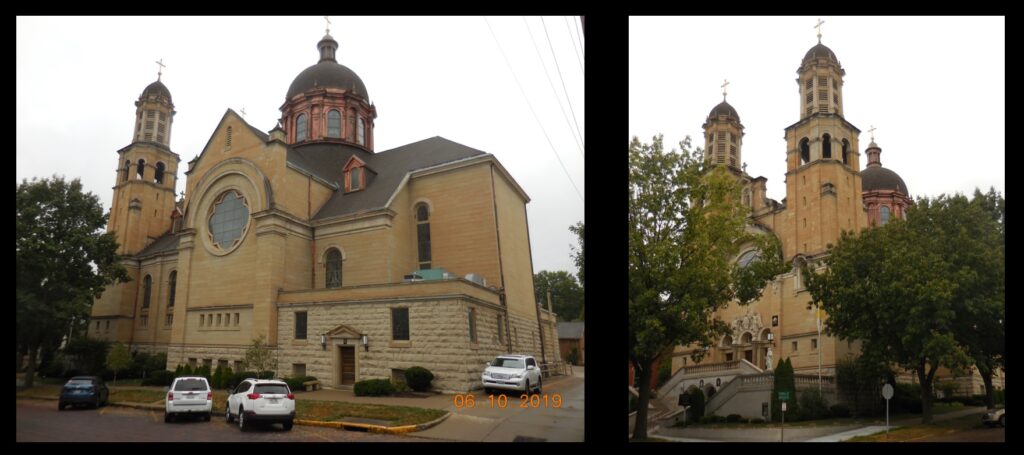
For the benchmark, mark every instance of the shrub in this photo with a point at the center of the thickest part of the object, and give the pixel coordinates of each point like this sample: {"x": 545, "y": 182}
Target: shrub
{"x": 159, "y": 378}
{"x": 265, "y": 375}
{"x": 217, "y": 379}
{"x": 203, "y": 371}
{"x": 757, "y": 421}
{"x": 373, "y": 388}
{"x": 784, "y": 381}
{"x": 812, "y": 405}
{"x": 419, "y": 378}
{"x": 839, "y": 410}
{"x": 295, "y": 383}
{"x": 400, "y": 386}
{"x": 89, "y": 355}
{"x": 697, "y": 403}
{"x": 574, "y": 356}
{"x": 998, "y": 396}
{"x": 712, "y": 419}
{"x": 732, "y": 418}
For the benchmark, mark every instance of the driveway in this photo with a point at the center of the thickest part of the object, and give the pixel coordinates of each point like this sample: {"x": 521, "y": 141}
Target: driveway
{"x": 489, "y": 421}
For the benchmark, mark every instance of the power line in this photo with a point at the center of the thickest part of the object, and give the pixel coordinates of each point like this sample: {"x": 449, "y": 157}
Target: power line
{"x": 571, "y": 110}
{"x": 530, "y": 105}
{"x": 553, "y": 90}
{"x": 574, "y": 44}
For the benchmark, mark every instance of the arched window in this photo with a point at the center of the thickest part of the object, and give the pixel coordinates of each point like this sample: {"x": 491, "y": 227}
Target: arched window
{"x": 159, "y": 177}
{"x": 127, "y": 169}
{"x": 746, "y": 338}
{"x": 826, "y": 146}
{"x": 333, "y": 124}
{"x": 727, "y": 341}
{"x": 300, "y": 128}
{"x": 361, "y": 132}
{"x": 332, "y": 264}
{"x": 141, "y": 168}
{"x": 147, "y": 286}
{"x": 748, "y": 257}
{"x": 423, "y": 235}
{"x": 805, "y": 151}
{"x": 884, "y": 214}
{"x": 171, "y": 283}
{"x": 846, "y": 151}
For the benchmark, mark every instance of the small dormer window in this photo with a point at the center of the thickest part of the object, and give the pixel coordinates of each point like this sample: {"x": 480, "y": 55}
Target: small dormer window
{"x": 355, "y": 176}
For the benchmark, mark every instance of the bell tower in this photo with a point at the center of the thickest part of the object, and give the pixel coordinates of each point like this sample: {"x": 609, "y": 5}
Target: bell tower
{"x": 723, "y": 136}
{"x": 823, "y": 185}
{"x": 146, "y": 174}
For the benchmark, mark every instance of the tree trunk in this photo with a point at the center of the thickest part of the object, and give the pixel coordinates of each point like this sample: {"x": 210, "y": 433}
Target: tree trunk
{"x": 986, "y": 376}
{"x": 640, "y": 428}
{"x": 30, "y": 370}
{"x": 926, "y": 396}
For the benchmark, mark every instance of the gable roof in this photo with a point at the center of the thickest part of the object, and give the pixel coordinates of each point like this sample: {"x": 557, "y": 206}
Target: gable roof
{"x": 390, "y": 167}
{"x": 163, "y": 244}
{"x": 570, "y": 330}
{"x": 263, "y": 136}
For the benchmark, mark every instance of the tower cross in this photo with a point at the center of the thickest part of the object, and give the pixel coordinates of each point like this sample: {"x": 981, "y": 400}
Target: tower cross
{"x": 872, "y": 131}
{"x": 243, "y": 111}
{"x": 328, "y": 25}
{"x": 160, "y": 70}
{"x": 724, "y": 83}
{"x": 819, "y": 29}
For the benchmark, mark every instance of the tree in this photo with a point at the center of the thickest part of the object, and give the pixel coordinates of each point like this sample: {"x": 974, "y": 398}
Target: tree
{"x": 64, "y": 261}
{"x": 784, "y": 381}
{"x": 686, "y": 225}
{"x": 577, "y": 253}
{"x": 118, "y": 359}
{"x": 566, "y": 294}
{"x": 905, "y": 289}
{"x": 259, "y": 357}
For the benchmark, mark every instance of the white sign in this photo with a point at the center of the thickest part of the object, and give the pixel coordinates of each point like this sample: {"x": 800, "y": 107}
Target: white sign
{"x": 887, "y": 391}
{"x": 783, "y": 406}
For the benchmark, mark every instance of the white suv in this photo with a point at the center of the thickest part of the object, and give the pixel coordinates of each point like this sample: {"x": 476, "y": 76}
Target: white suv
{"x": 189, "y": 395}
{"x": 261, "y": 400}
{"x": 512, "y": 372}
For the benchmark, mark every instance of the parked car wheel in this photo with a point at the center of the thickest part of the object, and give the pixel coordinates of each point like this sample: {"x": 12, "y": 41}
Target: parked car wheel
{"x": 527, "y": 390}
{"x": 540, "y": 383}
{"x": 60, "y": 406}
{"x": 241, "y": 419}
{"x": 168, "y": 417}
{"x": 96, "y": 403}
{"x": 206, "y": 417}
{"x": 288, "y": 425}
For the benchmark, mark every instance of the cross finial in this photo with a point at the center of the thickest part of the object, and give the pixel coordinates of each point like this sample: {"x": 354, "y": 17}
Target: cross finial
{"x": 725, "y": 82}
{"x": 328, "y": 24}
{"x": 159, "y": 71}
{"x": 243, "y": 111}
{"x": 819, "y": 29}
{"x": 872, "y": 131}
{"x": 744, "y": 166}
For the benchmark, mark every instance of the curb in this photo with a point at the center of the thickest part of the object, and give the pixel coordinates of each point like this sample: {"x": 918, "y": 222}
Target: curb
{"x": 122, "y": 404}
{"x": 373, "y": 428}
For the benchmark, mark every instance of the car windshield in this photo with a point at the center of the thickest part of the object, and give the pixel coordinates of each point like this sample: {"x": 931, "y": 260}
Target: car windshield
{"x": 507, "y": 363}
{"x": 271, "y": 389}
{"x": 79, "y": 382}
{"x": 187, "y": 385}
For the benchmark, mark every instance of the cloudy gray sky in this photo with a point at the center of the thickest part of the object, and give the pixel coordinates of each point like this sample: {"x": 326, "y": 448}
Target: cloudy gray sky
{"x": 77, "y": 80}
{"x": 933, "y": 87}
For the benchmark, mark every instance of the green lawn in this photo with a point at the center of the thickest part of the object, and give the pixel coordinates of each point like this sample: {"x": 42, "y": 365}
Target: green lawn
{"x": 920, "y": 431}
{"x": 338, "y": 410}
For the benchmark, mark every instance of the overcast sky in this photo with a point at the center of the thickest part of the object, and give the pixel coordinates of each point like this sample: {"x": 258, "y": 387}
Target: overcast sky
{"x": 933, "y": 87}
{"x": 78, "y": 79}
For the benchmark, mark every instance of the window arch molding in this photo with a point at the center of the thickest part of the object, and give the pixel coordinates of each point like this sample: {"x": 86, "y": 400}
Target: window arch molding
{"x": 329, "y": 247}
{"x": 333, "y": 278}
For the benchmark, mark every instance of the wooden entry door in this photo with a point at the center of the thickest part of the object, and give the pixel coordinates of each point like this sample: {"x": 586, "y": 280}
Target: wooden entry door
{"x": 347, "y": 364}
{"x": 749, "y": 355}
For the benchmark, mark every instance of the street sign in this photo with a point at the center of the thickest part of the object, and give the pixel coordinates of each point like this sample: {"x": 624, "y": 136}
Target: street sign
{"x": 887, "y": 391}
{"x": 783, "y": 406}
{"x": 783, "y": 396}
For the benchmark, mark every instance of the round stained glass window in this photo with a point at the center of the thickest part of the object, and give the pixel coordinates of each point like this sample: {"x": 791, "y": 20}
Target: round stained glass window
{"x": 230, "y": 216}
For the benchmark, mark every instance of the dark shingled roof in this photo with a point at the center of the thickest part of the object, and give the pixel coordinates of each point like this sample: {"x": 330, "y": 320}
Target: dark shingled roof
{"x": 157, "y": 88}
{"x": 570, "y": 330}
{"x": 164, "y": 243}
{"x": 821, "y": 51}
{"x": 723, "y": 108}
{"x": 388, "y": 168}
{"x": 880, "y": 178}
{"x": 328, "y": 74}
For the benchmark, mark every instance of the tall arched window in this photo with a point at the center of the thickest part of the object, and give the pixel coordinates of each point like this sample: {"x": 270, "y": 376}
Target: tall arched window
{"x": 159, "y": 176}
{"x": 826, "y": 146}
{"x": 884, "y": 214}
{"x": 332, "y": 264}
{"x": 361, "y": 132}
{"x": 300, "y": 128}
{"x": 127, "y": 169}
{"x": 171, "y": 284}
{"x": 805, "y": 151}
{"x": 846, "y": 151}
{"x": 333, "y": 124}
{"x": 147, "y": 286}
{"x": 141, "y": 168}
{"x": 351, "y": 124}
{"x": 423, "y": 235}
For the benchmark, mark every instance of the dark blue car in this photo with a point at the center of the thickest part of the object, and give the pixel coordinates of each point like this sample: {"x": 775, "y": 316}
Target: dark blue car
{"x": 88, "y": 390}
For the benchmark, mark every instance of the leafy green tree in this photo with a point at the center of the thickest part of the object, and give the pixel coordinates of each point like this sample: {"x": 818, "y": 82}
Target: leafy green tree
{"x": 118, "y": 359}
{"x": 784, "y": 382}
{"x": 686, "y": 225}
{"x": 577, "y": 252}
{"x": 566, "y": 294}
{"x": 63, "y": 262}
{"x": 912, "y": 290}
{"x": 259, "y": 357}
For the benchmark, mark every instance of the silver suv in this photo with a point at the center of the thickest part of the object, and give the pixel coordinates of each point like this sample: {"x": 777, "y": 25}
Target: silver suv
{"x": 189, "y": 395}
{"x": 261, "y": 400}
{"x": 512, "y": 372}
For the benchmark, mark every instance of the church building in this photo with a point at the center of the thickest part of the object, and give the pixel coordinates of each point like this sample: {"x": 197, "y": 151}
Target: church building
{"x": 353, "y": 263}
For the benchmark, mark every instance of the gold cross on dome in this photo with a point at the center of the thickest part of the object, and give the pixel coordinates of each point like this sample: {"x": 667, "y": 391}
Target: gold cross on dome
{"x": 872, "y": 131}
{"x": 159, "y": 71}
{"x": 243, "y": 111}
{"x": 819, "y": 29}
{"x": 328, "y": 25}
{"x": 724, "y": 83}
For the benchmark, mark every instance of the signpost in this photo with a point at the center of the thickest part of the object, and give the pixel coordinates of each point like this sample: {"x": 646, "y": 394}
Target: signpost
{"x": 783, "y": 427}
{"x": 887, "y": 394}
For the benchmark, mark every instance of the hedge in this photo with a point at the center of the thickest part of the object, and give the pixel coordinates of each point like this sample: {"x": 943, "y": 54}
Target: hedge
{"x": 373, "y": 388}
{"x": 418, "y": 378}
